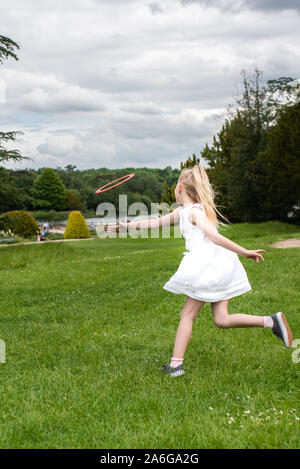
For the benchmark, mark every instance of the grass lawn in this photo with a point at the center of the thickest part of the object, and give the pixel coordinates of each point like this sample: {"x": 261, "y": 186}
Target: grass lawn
{"x": 87, "y": 326}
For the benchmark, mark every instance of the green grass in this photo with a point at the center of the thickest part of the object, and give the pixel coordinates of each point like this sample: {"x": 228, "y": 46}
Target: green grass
{"x": 87, "y": 326}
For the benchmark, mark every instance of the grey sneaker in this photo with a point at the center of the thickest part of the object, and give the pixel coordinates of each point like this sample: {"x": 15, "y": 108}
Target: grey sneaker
{"x": 174, "y": 372}
{"x": 281, "y": 329}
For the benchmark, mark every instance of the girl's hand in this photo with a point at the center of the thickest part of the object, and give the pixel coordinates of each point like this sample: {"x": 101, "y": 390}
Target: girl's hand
{"x": 119, "y": 227}
{"x": 255, "y": 255}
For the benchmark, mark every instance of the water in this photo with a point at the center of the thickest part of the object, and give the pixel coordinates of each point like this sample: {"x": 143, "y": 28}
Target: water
{"x": 103, "y": 220}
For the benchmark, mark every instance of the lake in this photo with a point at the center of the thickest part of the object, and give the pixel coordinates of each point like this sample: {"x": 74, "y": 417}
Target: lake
{"x": 102, "y": 220}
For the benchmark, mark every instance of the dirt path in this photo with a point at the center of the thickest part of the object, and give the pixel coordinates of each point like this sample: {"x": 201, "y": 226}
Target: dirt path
{"x": 288, "y": 243}
{"x": 44, "y": 242}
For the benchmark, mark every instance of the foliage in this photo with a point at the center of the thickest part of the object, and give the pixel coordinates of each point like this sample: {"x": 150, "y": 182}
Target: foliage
{"x": 20, "y": 223}
{"x": 190, "y": 162}
{"x": 11, "y": 197}
{"x": 50, "y": 190}
{"x": 7, "y": 50}
{"x": 281, "y": 161}
{"x": 10, "y": 155}
{"x": 236, "y": 164}
{"x": 18, "y": 189}
{"x": 73, "y": 201}
{"x": 168, "y": 196}
{"x": 281, "y": 93}
{"x": 6, "y": 222}
{"x": 76, "y": 227}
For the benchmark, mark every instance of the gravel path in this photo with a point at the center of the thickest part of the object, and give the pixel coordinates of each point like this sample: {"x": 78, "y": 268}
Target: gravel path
{"x": 288, "y": 243}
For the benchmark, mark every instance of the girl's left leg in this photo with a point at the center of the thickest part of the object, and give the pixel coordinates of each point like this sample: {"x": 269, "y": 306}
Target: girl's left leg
{"x": 187, "y": 318}
{"x": 224, "y": 320}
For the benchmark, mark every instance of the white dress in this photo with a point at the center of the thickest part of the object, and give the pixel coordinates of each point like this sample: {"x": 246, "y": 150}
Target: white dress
{"x": 207, "y": 272}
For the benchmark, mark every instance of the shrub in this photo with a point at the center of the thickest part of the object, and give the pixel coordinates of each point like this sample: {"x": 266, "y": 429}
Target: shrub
{"x": 6, "y": 223}
{"x": 20, "y": 223}
{"x": 76, "y": 227}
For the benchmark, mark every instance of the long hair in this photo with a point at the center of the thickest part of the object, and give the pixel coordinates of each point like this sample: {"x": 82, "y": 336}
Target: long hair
{"x": 198, "y": 188}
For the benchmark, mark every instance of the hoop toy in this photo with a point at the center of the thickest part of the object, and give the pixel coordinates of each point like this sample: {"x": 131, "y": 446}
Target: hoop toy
{"x": 128, "y": 176}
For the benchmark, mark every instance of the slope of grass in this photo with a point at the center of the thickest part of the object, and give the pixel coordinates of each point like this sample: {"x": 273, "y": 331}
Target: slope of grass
{"x": 87, "y": 326}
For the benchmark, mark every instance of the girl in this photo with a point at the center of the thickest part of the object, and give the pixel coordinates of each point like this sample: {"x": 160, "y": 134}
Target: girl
{"x": 210, "y": 270}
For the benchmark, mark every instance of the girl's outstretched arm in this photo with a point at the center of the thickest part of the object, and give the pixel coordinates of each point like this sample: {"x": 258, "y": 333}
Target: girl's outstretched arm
{"x": 197, "y": 217}
{"x": 228, "y": 244}
{"x": 148, "y": 223}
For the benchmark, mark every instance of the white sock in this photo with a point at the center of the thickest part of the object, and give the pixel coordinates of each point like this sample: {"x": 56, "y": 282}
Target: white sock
{"x": 268, "y": 322}
{"x": 176, "y": 362}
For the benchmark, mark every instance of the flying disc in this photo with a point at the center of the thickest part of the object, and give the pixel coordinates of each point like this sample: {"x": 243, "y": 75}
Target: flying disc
{"x": 124, "y": 179}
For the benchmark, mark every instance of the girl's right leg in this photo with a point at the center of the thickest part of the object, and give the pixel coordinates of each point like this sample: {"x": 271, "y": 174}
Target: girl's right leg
{"x": 277, "y": 322}
{"x": 224, "y": 320}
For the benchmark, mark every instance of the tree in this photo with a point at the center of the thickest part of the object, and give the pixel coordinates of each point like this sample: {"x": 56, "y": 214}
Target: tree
{"x": 168, "y": 196}
{"x": 282, "y": 162}
{"x": 50, "y": 190}
{"x": 73, "y": 201}
{"x": 218, "y": 157}
{"x": 11, "y": 196}
{"x": 235, "y": 168}
{"x": 190, "y": 162}
{"x": 281, "y": 93}
{"x": 7, "y": 50}
{"x": 10, "y": 155}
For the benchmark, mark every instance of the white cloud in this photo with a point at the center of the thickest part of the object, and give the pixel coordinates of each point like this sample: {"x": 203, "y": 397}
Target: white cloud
{"x": 69, "y": 99}
{"x": 108, "y": 82}
{"x": 42, "y": 93}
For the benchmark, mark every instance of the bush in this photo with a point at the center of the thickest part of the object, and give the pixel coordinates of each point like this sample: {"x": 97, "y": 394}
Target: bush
{"x": 5, "y": 223}
{"x": 20, "y": 223}
{"x": 76, "y": 227}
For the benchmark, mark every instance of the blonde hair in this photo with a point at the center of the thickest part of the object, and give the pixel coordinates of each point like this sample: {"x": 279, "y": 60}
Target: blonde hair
{"x": 198, "y": 188}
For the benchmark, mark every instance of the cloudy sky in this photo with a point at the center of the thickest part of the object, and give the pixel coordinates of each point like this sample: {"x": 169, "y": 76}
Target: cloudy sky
{"x": 119, "y": 83}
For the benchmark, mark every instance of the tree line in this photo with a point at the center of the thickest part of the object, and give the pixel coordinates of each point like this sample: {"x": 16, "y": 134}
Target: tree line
{"x": 72, "y": 189}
